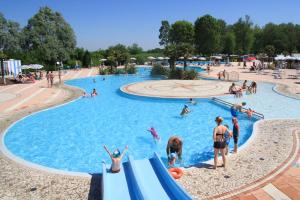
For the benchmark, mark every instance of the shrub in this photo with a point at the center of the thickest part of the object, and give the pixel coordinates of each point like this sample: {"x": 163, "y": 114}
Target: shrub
{"x": 159, "y": 70}
{"x": 120, "y": 71}
{"x": 131, "y": 69}
{"x": 176, "y": 74}
{"x": 190, "y": 75}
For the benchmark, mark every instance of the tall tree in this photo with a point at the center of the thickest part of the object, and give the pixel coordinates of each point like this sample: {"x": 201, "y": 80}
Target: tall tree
{"x": 257, "y": 46}
{"x": 207, "y": 35}
{"x": 117, "y": 55}
{"x": 86, "y": 59}
{"x": 10, "y": 36}
{"x": 49, "y": 37}
{"x": 181, "y": 38}
{"x": 229, "y": 43}
{"x": 181, "y": 32}
{"x": 135, "y": 49}
{"x": 243, "y": 35}
{"x": 164, "y": 33}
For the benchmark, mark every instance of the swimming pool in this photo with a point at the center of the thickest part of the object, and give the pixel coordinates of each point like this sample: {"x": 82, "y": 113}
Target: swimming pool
{"x": 70, "y": 137}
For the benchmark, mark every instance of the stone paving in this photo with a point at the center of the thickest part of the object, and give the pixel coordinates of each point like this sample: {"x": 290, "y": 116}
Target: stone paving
{"x": 271, "y": 146}
{"x": 178, "y": 88}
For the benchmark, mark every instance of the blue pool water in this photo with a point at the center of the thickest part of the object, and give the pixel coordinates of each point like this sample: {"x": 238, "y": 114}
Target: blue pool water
{"x": 70, "y": 137}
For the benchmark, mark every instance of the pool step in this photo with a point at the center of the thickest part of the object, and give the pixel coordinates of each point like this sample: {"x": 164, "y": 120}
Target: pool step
{"x": 141, "y": 179}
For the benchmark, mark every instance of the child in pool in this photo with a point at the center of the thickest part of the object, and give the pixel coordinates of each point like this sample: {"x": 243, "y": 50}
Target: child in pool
{"x": 172, "y": 159}
{"x": 227, "y": 136}
{"x": 185, "y": 110}
{"x": 116, "y": 159}
{"x": 154, "y": 134}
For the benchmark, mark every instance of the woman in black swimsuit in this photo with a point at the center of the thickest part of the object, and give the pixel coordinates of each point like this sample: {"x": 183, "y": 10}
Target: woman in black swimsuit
{"x": 219, "y": 141}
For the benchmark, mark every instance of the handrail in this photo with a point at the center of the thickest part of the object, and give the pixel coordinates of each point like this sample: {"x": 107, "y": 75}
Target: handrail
{"x": 260, "y": 115}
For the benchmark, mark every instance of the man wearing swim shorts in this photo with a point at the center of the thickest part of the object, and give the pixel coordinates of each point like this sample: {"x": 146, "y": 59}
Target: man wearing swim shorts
{"x": 236, "y": 133}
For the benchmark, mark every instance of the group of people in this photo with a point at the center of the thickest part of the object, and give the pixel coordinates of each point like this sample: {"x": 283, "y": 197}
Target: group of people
{"x": 29, "y": 77}
{"x": 221, "y": 138}
{"x": 93, "y": 93}
{"x": 50, "y": 78}
{"x": 237, "y": 91}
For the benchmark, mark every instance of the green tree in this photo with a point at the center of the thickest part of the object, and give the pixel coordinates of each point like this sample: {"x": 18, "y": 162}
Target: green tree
{"x": 207, "y": 35}
{"x": 49, "y": 37}
{"x": 181, "y": 32}
{"x": 86, "y": 59}
{"x": 185, "y": 50}
{"x": 10, "y": 37}
{"x": 164, "y": 33}
{"x": 135, "y": 49}
{"x": 229, "y": 43}
{"x": 257, "y": 46}
{"x": 117, "y": 55}
{"x": 172, "y": 52}
{"x": 243, "y": 35}
{"x": 269, "y": 50}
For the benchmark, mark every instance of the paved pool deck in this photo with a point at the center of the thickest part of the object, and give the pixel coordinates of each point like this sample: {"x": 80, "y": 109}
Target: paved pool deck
{"x": 268, "y": 167}
{"x": 177, "y": 88}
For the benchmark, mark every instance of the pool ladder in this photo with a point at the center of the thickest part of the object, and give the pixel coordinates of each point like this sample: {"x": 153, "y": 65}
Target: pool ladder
{"x": 259, "y": 115}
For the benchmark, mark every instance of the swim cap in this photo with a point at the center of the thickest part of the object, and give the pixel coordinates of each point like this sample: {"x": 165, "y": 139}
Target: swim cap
{"x": 116, "y": 153}
{"x": 185, "y": 106}
{"x": 244, "y": 103}
{"x": 173, "y": 155}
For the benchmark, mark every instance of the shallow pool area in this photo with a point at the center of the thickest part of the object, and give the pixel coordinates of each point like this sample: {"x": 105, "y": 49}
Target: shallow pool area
{"x": 70, "y": 137}
{"x": 269, "y": 102}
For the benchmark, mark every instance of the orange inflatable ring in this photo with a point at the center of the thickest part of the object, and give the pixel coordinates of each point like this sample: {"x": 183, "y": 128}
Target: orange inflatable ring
{"x": 176, "y": 172}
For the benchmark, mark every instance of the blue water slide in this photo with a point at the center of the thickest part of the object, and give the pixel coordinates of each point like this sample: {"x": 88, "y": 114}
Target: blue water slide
{"x": 141, "y": 179}
{"x": 174, "y": 190}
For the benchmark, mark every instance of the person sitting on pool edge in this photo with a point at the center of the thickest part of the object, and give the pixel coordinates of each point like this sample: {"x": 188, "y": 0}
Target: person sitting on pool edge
{"x": 185, "y": 110}
{"x": 174, "y": 146}
{"x": 94, "y": 93}
{"x": 116, "y": 158}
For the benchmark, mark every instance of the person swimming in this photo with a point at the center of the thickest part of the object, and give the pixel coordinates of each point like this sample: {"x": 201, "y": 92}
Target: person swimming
{"x": 185, "y": 110}
{"x": 84, "y": 95}
{"x": 154, "y": 134}
{"x": 94, "y": 93}
{"x": 193, "y": 102}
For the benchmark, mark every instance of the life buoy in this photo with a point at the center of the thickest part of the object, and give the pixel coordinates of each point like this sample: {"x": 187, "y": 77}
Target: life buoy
{"x": 176, "y": 172}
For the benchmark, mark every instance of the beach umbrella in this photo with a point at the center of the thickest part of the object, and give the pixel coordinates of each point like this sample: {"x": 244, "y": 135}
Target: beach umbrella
{"x": 160, "y": 58}
{"x": 251, "y": 59}
{"x": 181, "y": 58}
{"x": 202, "y": 58}
{"x": 167, "y": 58}
{"x": 103, "y": 59}
{"x": 25, "y": 67}
{"x": 280, "y": 57}
{"x": 132, "y": 58}
{"x": 151, "y": 58}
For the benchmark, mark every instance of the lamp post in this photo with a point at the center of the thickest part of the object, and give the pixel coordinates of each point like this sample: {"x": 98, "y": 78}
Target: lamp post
{"x": 2, "y": 57}
{"x": 59, "y": 72}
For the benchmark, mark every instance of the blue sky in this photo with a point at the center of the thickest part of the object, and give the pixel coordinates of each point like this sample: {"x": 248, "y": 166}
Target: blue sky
{"x": 102, "y": 23}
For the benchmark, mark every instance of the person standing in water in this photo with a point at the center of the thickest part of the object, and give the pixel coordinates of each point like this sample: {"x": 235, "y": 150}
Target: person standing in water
{"x": 235, "y": 133}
